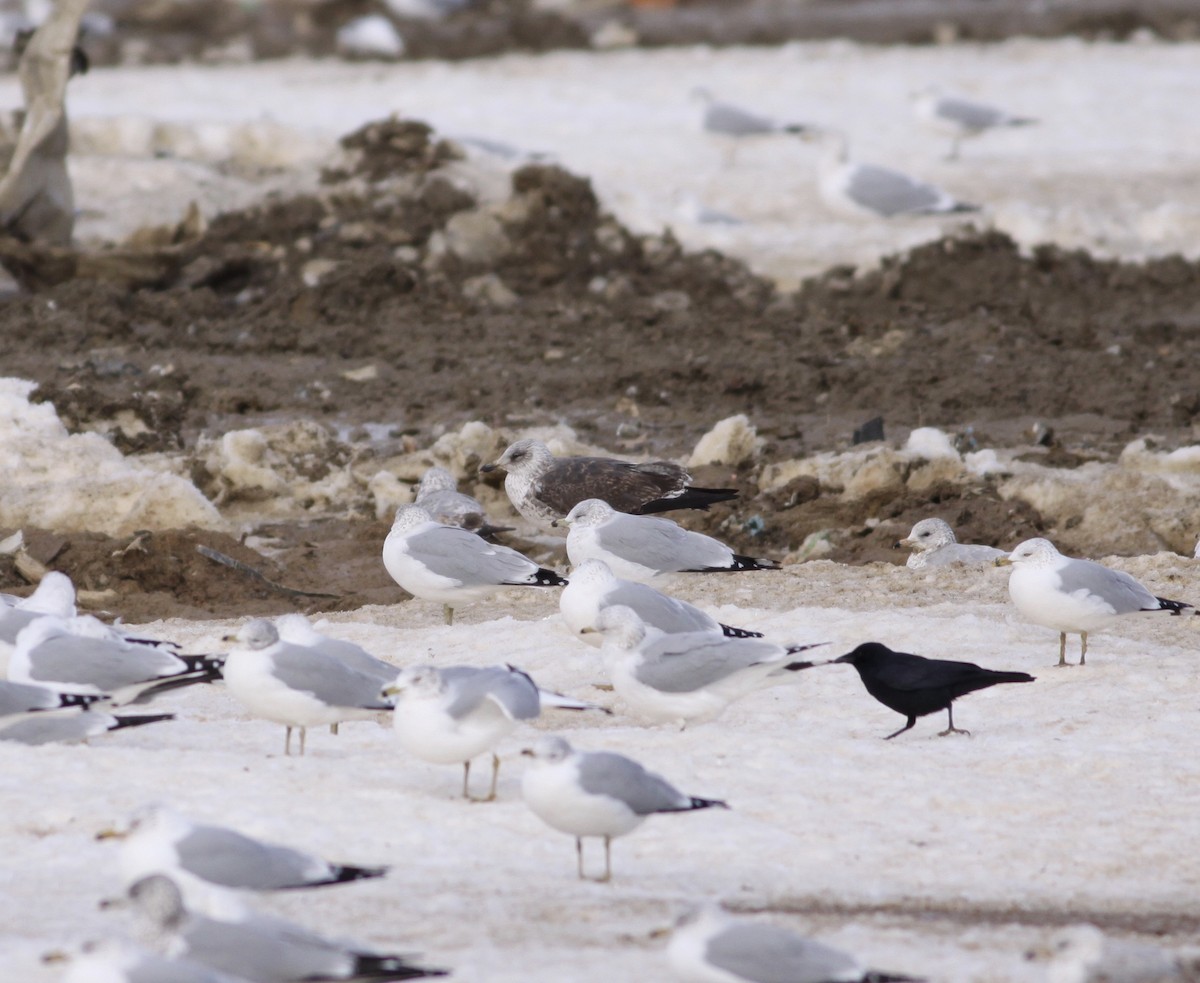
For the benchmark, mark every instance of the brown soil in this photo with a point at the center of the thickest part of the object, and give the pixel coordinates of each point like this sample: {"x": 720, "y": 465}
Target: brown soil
{"x": 547, "y": 310}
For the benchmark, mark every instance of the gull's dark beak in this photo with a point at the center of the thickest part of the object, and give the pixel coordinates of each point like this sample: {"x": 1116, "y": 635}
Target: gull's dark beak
{"x": 488, "y": 468}
{"x": 526, "y": 752}
{"x": 229, "y": 638}
{"x": 554, "y": 523}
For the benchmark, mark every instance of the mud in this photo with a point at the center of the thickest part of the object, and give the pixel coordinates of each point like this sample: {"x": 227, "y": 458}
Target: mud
{"x": 392, "y": 297}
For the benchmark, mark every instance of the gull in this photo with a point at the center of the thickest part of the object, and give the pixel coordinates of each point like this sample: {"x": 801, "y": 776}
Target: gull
{"x": 1074, "y": 596}
{"x": 448, "y": 564}
{"x": 597, "y": 793}
{"x": 639, "y": 547}
{"x": 934, "y": 544}
{"x": 544, "y": 488}
{"x": 594, "y": 588}
{"x": 692, "y": 676}
{"x": 960, "y": 118}
{"x": 452, "y": 714}
{"x": 83, "y": 655}
{"x": 734, "y": 124}
{"x": 72, "y": 725}
{"x": 438, "y": 494}
{"x": 873, "y": 191}
{"x": 296, "y": 685}
{"x": 708, "y": 946}
{"x": 118, "y": 961}
{"x": 1083, "y": 954}
{"x": 261, "y": 948}
{"x": 54, "y": 595}
{"x": 19, "y": 698}
{"x": 915, "y": 686}
{"x": 160, "y": 840}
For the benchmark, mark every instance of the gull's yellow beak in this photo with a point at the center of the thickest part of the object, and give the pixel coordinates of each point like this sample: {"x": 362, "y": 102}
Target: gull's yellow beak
{"x": 112, "y": 833}
{"x": 1003, "y": 561}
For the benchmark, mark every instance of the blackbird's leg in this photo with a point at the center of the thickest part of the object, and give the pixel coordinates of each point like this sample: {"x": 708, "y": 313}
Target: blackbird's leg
{"x": 907, "y": 726}
{"x": 952, "y": 729}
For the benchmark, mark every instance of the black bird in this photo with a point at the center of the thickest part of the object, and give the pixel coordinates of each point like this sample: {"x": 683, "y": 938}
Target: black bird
{"x": 916, "y": 686}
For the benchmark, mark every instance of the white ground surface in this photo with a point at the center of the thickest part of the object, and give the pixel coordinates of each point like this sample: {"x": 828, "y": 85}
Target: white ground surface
{"x": 1111, "y": 167}
{"x": 1075, "y": 797}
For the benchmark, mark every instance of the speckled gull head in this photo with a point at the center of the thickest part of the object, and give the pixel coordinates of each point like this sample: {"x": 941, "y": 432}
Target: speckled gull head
{"x": 1032, "y": 553}
{"x": 549, "y": 749}
{"x": 436, "y": 479}
{"x": 929, "y": 534}
{"x": 620, "y": 626}
{"x": 159, "y": 899}
{"x": 409, "y": 517}
{"x": 526, "y": 457}
{"x": 421, "y": 682}
{"x": 257, "y": 633}
{"x": 589, "y": 512}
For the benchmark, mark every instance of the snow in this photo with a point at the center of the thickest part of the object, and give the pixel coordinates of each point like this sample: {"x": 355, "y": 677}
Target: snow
{"x": 1109, "y": 167}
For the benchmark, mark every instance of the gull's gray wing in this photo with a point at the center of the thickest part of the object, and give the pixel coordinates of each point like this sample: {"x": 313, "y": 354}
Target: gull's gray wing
{"x": 225, "y": 857}
{"x": 721, "y": 117}
{"x": 969, "y": 115}
{"x": 605, "y": 773}
{"x": 887, "y": 192}
{"x": 78, "y": 660}
{"x": 464, "y": 557}
{"x": 325, "y": 677}
{"x": 1116, "y": 588}
{"x": 22, "y": 697}
{"x": 962, "y": 553}
{"x": 453, "y": 508}
{"x": 265, "y": 950}
{"x": 514, "y": 692}
{"x": 660, "y": 544}
{"x": 686, "y": 663}
{"x": 12, "y": 620}
{"x": 771, "y": 954}
{"x": 357, "y": 658}
{"x": 667, "y": 614}
{"x": 625, "y": 486}
{"x": 56, "y": 728}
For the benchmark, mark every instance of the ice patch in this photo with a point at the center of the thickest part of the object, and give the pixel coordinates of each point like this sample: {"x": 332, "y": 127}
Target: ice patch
{"x": 732, "y": 441}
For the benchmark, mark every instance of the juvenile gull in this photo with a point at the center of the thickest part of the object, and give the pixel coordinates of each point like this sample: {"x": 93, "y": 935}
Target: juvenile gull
{"x": 83, "y": 655}
{"x": 448, "y": 564}
{"x": 71, "y": 725}
{"x": 688, "y": 677}
{"x": 544, "y": 488}
{"x": 597, "y": 793}
{"x": 873, "y": 191}
{"x": 296, "y": 685}
{"x": 934, "y": 544}
{"x": 708, "y": 946}
{"x": 1074, "y": 596}
{"x": 594, "y": 588}
{"x": 960, "y": 118}
{"x": 452, "y": 714}
{"x": 438, "y": 494}
{"x": 262, "y": 948}
{"x": 915, "y": 686}
{"x": 118, "y": 961}
{"x": 161, "y": 841}
{"x": 639, "y": 547}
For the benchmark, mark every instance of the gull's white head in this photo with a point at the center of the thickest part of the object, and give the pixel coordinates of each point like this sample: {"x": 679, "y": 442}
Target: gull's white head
{"x": 589, "y": 512}
{"x": 409, "y": 517}
{"x": 592, "y": 573}
{"x": 416, "y": 682}
{"x": 549, "y": 750}
{"x": 435, "y": 480}
{"x": 528, "y": 457}
{"x": 55, "y": 594}
{"x": 1032, "y": 553}
{"x": 929, "y": 534}
{"x": 159, "y": 899}
{"x": 297, "y": 629}
{"x": 621, "y": 627}
{"x": 256, "y": 634}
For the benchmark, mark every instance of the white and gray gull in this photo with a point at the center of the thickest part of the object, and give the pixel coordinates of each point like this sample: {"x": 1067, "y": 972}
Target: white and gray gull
{"x": 960, "y": 118}
{"x": 934, "y": 544}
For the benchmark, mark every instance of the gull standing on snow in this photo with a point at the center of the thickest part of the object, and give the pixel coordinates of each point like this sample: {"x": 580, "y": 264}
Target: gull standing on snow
{"x": 159, "y": 840}
{"x": 690, "y": 677}
{"x": 594, "y": 588}
{"x": 708, "y": 946}
{"x": 544, "y": 488}
{"x": 296, "y": 685}
{"x": 84, "y": 655}
{"x": 960, "y": 118}
{"x": 1074, "y": 596}
{"x": 452, "y": 714}
{"x": 639, "y": 547}
{"x": 934, "y": 544}
{"x": 448, "y": 564}
{"x": 438, "y": 494}
{"x": 261, "y": 948}
{"x": 873, "y": 191}
{"x": 597, "y": 793}
{"x": 734, "y": 124}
